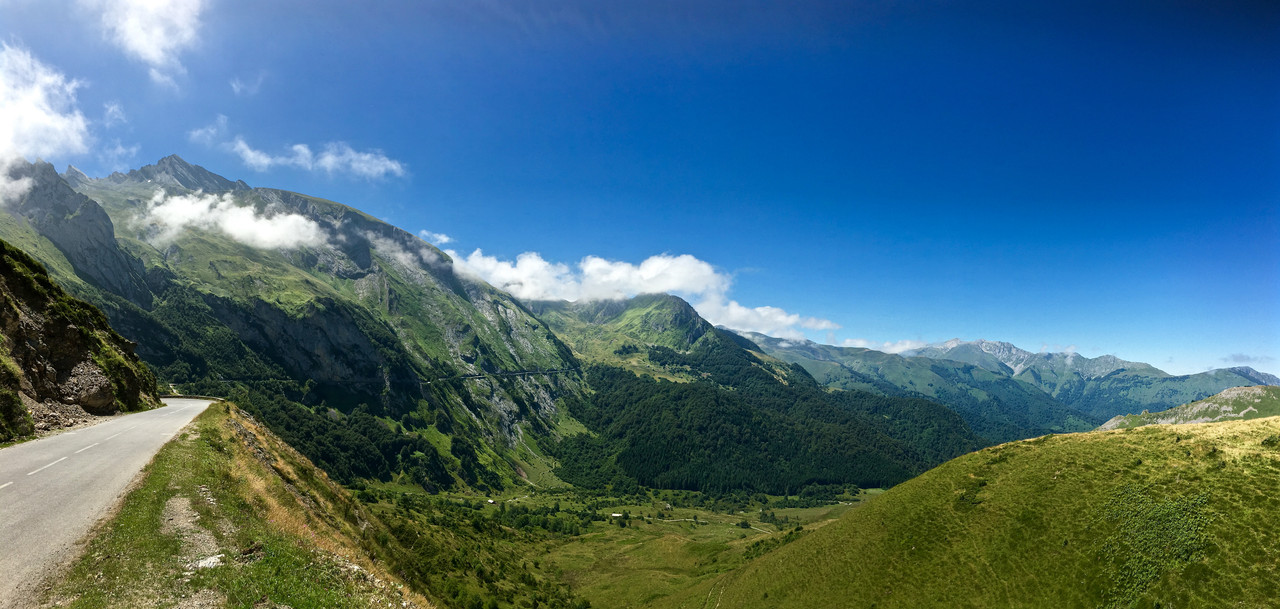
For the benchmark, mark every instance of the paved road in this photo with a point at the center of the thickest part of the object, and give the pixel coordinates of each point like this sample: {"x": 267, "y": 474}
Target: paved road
{"x": 53, "y": 490}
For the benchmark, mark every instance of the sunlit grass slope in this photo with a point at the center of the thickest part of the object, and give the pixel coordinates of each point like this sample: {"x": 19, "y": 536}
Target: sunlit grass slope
{"x": 1159, "y": 516}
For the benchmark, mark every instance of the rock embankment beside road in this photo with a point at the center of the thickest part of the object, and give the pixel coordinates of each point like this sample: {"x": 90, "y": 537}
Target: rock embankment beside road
{"x": 60, "y": 362}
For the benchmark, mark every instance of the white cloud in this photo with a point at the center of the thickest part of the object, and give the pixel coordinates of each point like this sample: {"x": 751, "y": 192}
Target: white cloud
{"x": 529, "y": 277}
{"x": 887, "y": 347}
{"x": 247, "y": 88}
{"x": 211, "y": 133}
{"x": 113, "y": 114}
{"x": 434, "y": 238}
{"x": 765, "y": 320}
{"x": 337, "y": 157}
{"x": 38, "y": 115}
{"x": 168, "y": 216}
{"x": 151, "y": 31}
{"x": 341, "y": 158}
{"x": 594, "y": 278}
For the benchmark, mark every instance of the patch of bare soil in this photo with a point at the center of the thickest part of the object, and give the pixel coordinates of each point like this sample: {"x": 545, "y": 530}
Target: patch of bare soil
{"x": 180, "y": 519}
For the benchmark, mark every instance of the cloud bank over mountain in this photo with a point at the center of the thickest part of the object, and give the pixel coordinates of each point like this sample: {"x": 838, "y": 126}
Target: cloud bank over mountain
{"x": 168, "y": 216}
{"x": 532, "y": 277}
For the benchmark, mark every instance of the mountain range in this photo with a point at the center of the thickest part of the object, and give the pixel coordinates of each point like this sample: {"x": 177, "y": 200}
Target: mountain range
{"x": 1006, "y": 393}
{"x": 360, "y": 344}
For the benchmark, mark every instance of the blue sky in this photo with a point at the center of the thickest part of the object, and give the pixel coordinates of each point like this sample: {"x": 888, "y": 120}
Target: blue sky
{"x": 1097, "y": 176}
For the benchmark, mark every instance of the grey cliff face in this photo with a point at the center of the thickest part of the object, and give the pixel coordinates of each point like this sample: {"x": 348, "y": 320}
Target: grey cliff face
{"x": 79, "y": 227}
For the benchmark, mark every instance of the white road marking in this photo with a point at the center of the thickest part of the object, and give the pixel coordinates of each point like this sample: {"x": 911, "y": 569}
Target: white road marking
{"x": 48, "y": 466}
{"x": 86, "y": 448}
{"x": 109, "y": 437}
{"x": 5, "y": 484}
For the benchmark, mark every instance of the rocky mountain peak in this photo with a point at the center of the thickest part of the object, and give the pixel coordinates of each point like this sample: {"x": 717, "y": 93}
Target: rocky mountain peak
{"x": 74, "y": 176}
{"x": 174, "y": 172}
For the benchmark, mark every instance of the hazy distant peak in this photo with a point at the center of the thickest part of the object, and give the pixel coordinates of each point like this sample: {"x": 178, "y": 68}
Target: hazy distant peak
{"x": 1262, "y": 378}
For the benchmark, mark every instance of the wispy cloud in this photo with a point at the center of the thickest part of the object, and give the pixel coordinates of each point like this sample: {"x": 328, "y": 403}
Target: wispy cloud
{"x": 38, "y": 115}
{"x": 113, "y": 114}
{"x": 166, "y": 217}
{"x": 532, "y": 277}
{"x": 209, "y": 134}
{"x": 434, "y": 238}
{"x": 410, "y": 257}
{"x": 154, "y": 32}
{"x": 247, "y": 88}
{"x": 1244, "y": 359}
{"x": 335, "y": 158}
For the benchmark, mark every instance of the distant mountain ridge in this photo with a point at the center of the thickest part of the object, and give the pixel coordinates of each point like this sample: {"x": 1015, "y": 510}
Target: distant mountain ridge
{"x": 1018, "y": 393}
{"x": 1102, "y": 387}
{"x": 993, "y": 403}
{"x": 999, "y": 356}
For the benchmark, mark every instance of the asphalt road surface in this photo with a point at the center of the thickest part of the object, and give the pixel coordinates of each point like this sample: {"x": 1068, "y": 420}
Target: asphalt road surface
{"x": 53, "y": 490}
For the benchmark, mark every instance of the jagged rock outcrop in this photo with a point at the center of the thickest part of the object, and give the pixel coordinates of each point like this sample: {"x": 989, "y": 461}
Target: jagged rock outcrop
{"x": 59, "y": 359}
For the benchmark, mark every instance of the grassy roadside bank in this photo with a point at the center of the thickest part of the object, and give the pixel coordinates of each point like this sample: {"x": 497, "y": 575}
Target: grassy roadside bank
{"x": 226, "y": 515}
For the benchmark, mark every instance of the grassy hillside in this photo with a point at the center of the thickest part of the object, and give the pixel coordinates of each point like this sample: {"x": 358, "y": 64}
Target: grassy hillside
{"x": 1235, "y": 403}
{"x": 618, "y": 332}
{"x": 1159, "y": 516}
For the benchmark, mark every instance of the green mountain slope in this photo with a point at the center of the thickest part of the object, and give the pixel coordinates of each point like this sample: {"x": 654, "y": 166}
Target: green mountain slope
{"x": 361, "y": 319}
{"x": 678, "y": 403}
{"x": 994, "y": 405}
{"x": 1162, "y": 516}
{"x": 59, "y": 359}
{"x": 1101, "y": 387}
{"x": 1235, "y": 403}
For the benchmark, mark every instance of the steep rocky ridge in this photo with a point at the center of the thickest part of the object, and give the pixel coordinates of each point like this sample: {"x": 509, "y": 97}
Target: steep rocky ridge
{"x": 59, "y": 359}
{"x": 80, "y": 228}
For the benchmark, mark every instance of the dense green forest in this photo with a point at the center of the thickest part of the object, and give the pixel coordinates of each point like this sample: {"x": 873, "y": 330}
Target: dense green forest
{"x": 743, "y": 427}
